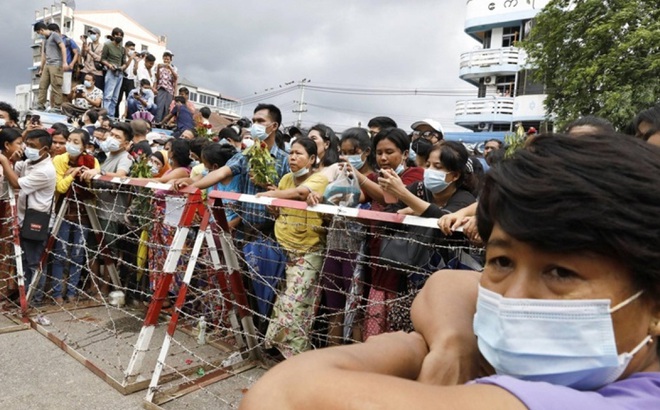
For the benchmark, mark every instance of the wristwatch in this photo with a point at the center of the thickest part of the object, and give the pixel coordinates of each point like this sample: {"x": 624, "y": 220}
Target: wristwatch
{"x": 102, "y": 173}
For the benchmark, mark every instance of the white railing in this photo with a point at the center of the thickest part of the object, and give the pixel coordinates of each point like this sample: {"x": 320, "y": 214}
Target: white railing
{"x": 491, "y": 57}
{"x": 484, "y": 106}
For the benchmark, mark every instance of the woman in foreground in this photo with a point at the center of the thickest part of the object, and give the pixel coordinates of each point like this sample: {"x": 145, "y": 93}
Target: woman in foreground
{"x": 566, "y": 313}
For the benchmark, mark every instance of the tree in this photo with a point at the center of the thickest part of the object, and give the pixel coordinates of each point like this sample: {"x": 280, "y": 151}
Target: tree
{"x": 598, "y": 57}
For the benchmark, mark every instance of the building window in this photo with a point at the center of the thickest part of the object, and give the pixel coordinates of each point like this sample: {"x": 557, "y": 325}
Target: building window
{"x": 193, "y": 97}
{"x": 144, "y": 48}
{"x": 510, "y": 36}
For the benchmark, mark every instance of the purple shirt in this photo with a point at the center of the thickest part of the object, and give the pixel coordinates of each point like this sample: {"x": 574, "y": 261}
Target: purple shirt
{"x": 639, "y": 391}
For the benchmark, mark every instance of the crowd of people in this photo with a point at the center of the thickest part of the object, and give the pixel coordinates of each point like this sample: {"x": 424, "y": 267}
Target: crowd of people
{"x": 564, "y": 220}
{"x": 92, "y": 74}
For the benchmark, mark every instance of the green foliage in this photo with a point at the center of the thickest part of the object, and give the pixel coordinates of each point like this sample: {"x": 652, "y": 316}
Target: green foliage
{"x": 597, "y": 57}
{"x": 262, "y": 164}
{"x": 514, "y": 140}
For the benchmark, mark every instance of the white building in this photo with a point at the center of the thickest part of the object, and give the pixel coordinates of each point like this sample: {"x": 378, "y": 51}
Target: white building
{"x": 506, "y": 93}
{"x": 224, "y": 105}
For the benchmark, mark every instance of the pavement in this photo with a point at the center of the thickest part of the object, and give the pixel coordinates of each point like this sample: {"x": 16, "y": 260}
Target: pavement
{"x": 36, "y": 374}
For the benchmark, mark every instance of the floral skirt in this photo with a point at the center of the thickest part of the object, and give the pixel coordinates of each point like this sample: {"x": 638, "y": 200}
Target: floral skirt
{"x": 293, "y": 312}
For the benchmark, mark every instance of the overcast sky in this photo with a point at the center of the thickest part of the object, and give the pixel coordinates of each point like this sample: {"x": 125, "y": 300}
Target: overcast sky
{"x": 239, "y": 48}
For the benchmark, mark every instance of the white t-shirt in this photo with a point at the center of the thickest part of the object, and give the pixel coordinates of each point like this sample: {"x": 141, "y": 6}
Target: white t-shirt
{"x": 142, "y": 72}
{"x": 38, "y": 182}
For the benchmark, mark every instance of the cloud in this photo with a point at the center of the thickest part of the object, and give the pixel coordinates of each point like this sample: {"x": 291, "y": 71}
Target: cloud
{"x": 239, "y": 48}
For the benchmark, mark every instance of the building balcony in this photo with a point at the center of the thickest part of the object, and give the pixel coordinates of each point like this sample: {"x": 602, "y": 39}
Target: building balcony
{"x": 489, "y": 62}
{"x": 488, "y": 110}
{"x": 52, "y": 12}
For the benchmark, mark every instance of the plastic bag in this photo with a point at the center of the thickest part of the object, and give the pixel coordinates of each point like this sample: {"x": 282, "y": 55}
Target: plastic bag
{"x": 343, "y": 191}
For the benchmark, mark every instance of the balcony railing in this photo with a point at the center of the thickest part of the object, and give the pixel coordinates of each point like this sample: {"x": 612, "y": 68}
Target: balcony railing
{"x": 484, "y": 109}
{"x": 491, "y": 57}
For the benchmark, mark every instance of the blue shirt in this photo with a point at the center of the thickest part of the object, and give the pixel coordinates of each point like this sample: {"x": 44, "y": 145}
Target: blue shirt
{"x": 70, "y": 45}
{"x": 184, "y": 118}
{"x": 256, "y": 213}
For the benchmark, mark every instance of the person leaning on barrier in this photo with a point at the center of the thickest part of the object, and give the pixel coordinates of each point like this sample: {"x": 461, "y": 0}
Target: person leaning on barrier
{"x": 74, "y": 229}
{"x": 391, "y": 146}
{"x": 266, "y": 120}
{"x": 35, "y": 178}
{"x": 301, "y": 235}
{"x": 111, "y": 202}
{"x": 565, "y": 314}
{"x": 11, "y": 146}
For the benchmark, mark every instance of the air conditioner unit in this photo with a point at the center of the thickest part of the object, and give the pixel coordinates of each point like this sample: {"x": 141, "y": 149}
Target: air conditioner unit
{"x": 489, "y": 80}
{"x": 482, "y": 126}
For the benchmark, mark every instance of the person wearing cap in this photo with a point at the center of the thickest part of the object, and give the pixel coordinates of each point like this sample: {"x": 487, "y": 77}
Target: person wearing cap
{"x": 53, "y": 64}
{"x": 113, "y": 57}
{"x": 166, "y": 81}
{"x": 428, "y": 129}
{"x": 91, "y": 56}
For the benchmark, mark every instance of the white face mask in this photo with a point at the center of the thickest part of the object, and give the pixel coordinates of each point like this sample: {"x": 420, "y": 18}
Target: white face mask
{"x": 2, "y": 122}
{"x": 562, "y": 342}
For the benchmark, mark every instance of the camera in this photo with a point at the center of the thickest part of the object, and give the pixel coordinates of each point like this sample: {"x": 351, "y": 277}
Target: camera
{"x": 80, "y": 88}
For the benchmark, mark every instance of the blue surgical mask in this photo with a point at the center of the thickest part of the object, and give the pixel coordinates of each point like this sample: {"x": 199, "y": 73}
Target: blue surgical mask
{"x": 73, "y": 150}
{"x": 109, "y": 145}
{"x": 287, "y": 146}
{"x": 563, "y": 342}
{"x": 92, "y": 37}
{"x": 32, "y": 153}
{"x": 194, "y": 163}
{"x": 399, "y": 170}
{"x": 258, "y": 131}
{"x": 412, "y": 154}
{"x": 434, "y": 180}
{"x": 356, "y": 161}
{"x": 301, "y": 172}
{"x": 88, "y": 84}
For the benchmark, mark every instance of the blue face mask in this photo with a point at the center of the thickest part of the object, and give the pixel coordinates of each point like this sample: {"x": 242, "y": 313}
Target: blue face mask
{"x": 399, "y": 170}
{"x": 434, "y": 180}
{"x": 73, "y": 150}
{"x": 32, "y": 153}
{"x": 412, "y": 154}
{"x": 193, "y": 164}
{"x": 563, "y": 342}
{"x": 258, "y": 131}
{"x": 109, "y": 145}
{"x": 287, "y": 146}
{"x": 92, "y": 37}
{"x": 356, "y": 161}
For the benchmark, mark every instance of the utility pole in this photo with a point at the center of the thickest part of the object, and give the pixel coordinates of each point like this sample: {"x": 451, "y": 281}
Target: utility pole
{"x": 302, "y": 107}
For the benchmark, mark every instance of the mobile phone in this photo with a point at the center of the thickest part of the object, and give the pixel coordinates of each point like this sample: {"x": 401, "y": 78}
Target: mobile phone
{"x": 35, "y": 119}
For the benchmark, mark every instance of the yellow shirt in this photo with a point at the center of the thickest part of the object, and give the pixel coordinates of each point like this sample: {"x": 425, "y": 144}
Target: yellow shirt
{"x": 61, "y": 164}
{"x": 298, "y": 230}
